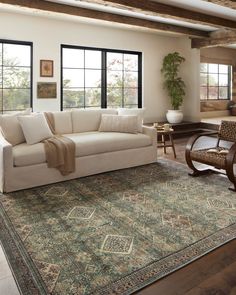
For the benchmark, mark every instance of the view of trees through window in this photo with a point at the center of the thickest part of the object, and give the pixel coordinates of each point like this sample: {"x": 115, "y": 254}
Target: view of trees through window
{"x": 100, "y": 78}
{"x": 15, "y": 76}
{"x": 215, "y": 81}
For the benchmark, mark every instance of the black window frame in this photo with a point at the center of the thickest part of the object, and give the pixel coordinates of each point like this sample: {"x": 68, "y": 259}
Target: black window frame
{"x": 218, "y": 86}
{"x": 16, "y": 42}
{"x": 104, "y": 52}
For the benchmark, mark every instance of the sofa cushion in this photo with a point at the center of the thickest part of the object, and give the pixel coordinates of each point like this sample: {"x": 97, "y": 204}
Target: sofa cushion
{"x": 35, "y": 128}
{"x": 87, "y": 143}
{"x": 11, "y": 128}
{"x": 85, "y": 120}
{"x": 63, "y": 122}
{"x": 28, "y": 154}
{"x": 133, "y": 112}
{"x": 115, "y": 123}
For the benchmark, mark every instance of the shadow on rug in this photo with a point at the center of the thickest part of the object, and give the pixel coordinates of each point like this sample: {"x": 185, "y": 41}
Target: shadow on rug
{"x": 116, "y": 232}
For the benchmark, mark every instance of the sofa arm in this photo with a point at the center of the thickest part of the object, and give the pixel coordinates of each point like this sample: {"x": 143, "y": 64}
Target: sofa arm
{"x": 150, "y": 131}
{"x": 6, "y": 159}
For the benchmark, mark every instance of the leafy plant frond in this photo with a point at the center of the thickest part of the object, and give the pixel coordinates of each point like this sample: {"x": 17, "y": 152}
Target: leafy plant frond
{"x": 174, "y": 84}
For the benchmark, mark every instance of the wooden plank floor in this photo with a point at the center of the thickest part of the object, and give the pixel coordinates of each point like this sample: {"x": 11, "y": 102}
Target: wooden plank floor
{"x": 213, "y": 274}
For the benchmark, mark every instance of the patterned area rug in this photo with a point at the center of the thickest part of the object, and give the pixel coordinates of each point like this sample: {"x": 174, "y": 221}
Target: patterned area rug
{"x": 116, "y": 232}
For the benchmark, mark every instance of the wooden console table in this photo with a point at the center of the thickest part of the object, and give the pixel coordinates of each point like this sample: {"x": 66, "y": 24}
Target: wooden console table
{"x": 163, "y": 143}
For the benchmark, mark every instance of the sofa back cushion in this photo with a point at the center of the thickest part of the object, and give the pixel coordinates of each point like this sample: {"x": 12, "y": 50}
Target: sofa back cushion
{"x": 88, "y": 120}
{"x": 11, "y": 128}
{"x": 63, "y": 122}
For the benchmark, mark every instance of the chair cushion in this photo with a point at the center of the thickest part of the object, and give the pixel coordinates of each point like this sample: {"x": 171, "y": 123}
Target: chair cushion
{"x": 87, "y": 143}
{"x": 88, "y": 120}
{"x": 214, "y": 159}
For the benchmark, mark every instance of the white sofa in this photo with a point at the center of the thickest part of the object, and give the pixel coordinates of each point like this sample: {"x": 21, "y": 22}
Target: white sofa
{"x": 24, "y": 166}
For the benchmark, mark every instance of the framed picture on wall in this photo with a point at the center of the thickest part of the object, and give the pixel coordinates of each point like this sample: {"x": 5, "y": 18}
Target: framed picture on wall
{"x": 46, "y": 68}
{"x": 47, "y": 90}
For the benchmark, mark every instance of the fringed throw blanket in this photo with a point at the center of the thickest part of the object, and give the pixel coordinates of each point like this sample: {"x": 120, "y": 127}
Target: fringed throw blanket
{"x": 59, "y": 150}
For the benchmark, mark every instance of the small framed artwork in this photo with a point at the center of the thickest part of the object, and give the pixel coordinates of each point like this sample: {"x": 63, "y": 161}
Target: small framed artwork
{"x": 47, "y": 90}
{"x": 46, "y": 68}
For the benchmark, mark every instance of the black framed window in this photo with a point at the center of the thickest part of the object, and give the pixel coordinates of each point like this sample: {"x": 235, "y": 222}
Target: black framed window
{"x": 215, "y": 81}
{"x": 94, "y": 77}
{"x": 15, "y": 75}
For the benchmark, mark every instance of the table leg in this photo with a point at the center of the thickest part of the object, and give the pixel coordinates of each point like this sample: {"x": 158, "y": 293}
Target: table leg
{"x": 172, "y": 143}
{"x": 164, "y": 142}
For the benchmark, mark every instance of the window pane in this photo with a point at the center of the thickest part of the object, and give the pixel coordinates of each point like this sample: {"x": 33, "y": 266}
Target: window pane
{"x": 92, "y": 78}
{"x": 223, "y": 92}
{"x": 73, "y": 58}
{"x": 213, "y": 68}
{"x": 114, "y": 79}
{"x": 130, "y": 96}
{"x": 130, "y": 79}
{"x": 213, "y": 80}
{"x": 73, "y": 97}
{"x": 203, "y": 93}
{"x": 16, "y": 77}
{"x": 114, "y": 61}
{"x": 213, "y": 93}
{"x": 130, "y": 62}
{"x": 93, "y": 59}
{"x": 114, "y": 97}
{"x": 16, "y": 99}
{"x": 203, "y": 67}
{"x": 223, "y": 80}
{"x": 223, "y": 69}
{"x": 73, "y": 78}
{"x": 203, "y": 79}
{"x": 16, "y": 55}
{"x": 93, "y": 97}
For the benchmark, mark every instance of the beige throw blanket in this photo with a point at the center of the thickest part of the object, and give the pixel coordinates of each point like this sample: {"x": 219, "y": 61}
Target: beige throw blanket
{"x": 60, "y": 150}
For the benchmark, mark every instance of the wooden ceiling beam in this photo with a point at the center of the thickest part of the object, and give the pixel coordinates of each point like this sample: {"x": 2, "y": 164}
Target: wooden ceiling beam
{"x": 226, "y": 3}
{"x": 110, "y": 17}
{"x": 168, "y": 11}
{"x": 218, "y": 38}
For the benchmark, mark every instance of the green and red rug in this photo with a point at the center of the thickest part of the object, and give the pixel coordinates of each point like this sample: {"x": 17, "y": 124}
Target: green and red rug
{"x": 116, "y": 232}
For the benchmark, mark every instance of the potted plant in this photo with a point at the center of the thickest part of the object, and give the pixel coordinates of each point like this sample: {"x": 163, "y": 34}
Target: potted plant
{"x": 174, "y": 85}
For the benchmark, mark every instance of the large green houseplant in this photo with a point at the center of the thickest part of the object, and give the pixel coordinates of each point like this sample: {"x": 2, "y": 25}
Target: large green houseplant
{"x": 174, "y": 85}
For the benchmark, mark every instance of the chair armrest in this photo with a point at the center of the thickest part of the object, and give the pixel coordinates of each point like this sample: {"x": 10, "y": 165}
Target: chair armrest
{"x": 230, "y": 162}
{"x": 192, "y": 141}
{"x": 150, "y": 131}
{"x": 194, "y": 138}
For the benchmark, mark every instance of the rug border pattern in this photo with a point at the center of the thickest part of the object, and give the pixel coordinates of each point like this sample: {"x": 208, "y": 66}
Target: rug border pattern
{"x": 161, "y": 268}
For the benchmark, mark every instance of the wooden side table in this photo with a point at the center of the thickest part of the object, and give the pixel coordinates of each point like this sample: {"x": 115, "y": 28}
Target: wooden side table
{"x": 163, "y": 143}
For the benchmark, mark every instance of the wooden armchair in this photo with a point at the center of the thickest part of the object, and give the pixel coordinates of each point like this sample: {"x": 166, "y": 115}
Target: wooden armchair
{"x": 218, "y": 156}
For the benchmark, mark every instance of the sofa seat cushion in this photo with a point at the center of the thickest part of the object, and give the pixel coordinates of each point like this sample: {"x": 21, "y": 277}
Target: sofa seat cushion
{"x": 87, "y": 143}
{"x": 28, "y": 154}
{"x": 91, "y": 143}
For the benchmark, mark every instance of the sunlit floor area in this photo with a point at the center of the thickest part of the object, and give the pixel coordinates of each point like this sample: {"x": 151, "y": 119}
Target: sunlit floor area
{"x": 217, "y": 120}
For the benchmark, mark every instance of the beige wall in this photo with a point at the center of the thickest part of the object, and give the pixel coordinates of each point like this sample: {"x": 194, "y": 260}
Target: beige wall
{"x": 224, "y": 56}
{"x": 48, "y": 34}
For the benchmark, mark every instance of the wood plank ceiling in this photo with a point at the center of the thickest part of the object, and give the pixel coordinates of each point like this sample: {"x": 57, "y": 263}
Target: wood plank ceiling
{"x": 205, "y": 29}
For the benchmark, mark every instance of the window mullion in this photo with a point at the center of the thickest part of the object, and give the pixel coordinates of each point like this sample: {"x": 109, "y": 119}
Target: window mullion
{"x": 104, "y": 80}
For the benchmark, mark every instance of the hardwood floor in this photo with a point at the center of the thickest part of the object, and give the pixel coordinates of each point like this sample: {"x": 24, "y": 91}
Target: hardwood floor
{"x": 213, "y": 274}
